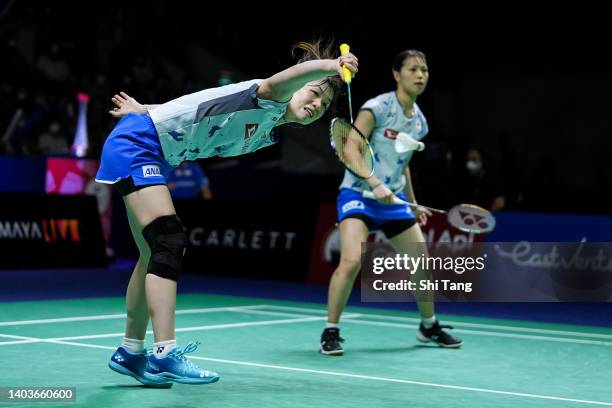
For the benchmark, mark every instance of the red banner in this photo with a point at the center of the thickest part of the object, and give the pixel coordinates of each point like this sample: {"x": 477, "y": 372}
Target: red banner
{"x": 69, "y": 176}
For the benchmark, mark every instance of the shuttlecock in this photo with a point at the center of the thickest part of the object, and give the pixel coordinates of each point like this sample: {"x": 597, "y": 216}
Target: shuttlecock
{"x": 405, "y": 143}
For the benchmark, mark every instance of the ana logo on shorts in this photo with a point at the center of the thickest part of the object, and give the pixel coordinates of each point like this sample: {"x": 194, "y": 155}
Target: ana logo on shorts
{"x": 351, "y": 205}
{"x": 151, "y": 171}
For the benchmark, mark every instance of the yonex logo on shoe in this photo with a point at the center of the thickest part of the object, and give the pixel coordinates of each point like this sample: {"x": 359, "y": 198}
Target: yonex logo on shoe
{"x": 204, "y": 374}
{"x": 151, "y": 171}
{"x": 118, "y": 358}
{"x": 160, "y": 349}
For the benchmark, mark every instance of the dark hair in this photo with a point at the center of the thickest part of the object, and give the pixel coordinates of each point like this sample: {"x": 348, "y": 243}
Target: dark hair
{"x": 399, "y": 59}
{"x": 315, "y": 50}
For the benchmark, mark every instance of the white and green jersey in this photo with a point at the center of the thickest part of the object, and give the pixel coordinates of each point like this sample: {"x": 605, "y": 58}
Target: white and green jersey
{"x": 390, "y": 120}
{"x": 225, "y": 121}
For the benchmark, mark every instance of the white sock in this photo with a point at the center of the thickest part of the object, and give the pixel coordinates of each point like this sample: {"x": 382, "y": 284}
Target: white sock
{"x": 161, "y": 349}
{"x": 332, "y": 325}
{"x": 134, "y": 346}
{"x": 428, "y": 322}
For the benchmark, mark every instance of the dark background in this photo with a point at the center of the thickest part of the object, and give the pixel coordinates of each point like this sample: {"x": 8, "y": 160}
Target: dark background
{"x": 529, "y": 88}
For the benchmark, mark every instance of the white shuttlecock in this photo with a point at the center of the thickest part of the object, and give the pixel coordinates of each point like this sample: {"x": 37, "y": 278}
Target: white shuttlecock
{"x": 405, "y": 143}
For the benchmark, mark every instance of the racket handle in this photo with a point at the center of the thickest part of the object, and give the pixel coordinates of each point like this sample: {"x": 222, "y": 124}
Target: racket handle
{"x": 344, "y": 49}
{"x": 396, "y": 199}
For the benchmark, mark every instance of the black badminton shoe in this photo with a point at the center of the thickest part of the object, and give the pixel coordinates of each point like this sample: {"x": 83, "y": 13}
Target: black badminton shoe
{"x": 330, "y": 342}
{"x": 437, "y": 334}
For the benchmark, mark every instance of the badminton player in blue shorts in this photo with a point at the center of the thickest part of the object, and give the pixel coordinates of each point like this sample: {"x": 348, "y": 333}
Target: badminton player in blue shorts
{"x": 144, "y": 147}
{"x": 381, "y": 119}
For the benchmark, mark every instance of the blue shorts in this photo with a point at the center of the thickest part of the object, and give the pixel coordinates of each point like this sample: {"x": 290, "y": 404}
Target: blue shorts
{"x": 352, "y": 204}
{"x": 133, "y": 150}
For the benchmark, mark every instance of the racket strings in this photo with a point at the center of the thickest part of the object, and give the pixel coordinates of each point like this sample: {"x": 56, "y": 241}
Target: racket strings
{"x": 352, "y": 149}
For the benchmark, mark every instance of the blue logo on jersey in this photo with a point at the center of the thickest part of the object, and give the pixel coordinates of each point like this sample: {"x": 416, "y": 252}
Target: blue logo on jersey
{"x": 387, "y": 180}
{"x": 356, "y": 184}
{"x": 177, "y": 136}
{"x": 212, "y": 130}
{"x": 400, "y": 161}
{"x": 376, "y": 159}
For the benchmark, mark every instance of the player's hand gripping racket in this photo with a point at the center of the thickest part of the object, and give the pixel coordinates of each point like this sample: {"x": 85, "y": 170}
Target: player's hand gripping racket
{"x": 347, "y": 76}
{"x": 465, "y": 217}
{"x": 349, "y": 144}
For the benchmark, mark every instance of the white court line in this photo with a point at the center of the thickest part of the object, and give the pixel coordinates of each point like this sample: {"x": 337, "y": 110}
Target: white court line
{"x": 269, "y": 313}
{"x": 358, "y": 376}
{"x": 349, "y": 318}
{"x": 427, "y": 384}
{"x": 303, "y": 318}
{"x": 488, "y": 333}
{"x": 123, "y": 315}
{"x": 466, "y": 324}
{"x": 26, "y": 339}
{"x": 11, "y": 336}
{"x": 240, "y": 309}
{"x": 255, "y": 309}
{"x": 310, "y": 310}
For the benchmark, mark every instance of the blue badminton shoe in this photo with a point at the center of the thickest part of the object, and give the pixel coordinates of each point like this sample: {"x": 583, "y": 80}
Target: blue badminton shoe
{"x": 133, "y": 364}
{"x": 175, "y": 367}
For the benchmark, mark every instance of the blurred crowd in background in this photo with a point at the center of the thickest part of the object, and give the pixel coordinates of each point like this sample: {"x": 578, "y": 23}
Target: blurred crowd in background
{"x": 51, "y": 52}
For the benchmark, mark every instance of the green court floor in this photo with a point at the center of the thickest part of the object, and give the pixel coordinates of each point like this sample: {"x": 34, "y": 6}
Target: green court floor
{"x": 266, "y": 353}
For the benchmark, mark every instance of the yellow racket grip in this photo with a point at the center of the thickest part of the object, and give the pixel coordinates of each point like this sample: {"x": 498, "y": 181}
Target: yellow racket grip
{"x": 344, "y": 49}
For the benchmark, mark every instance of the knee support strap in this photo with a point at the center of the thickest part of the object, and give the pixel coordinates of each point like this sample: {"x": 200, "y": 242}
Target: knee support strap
{"x": 167, "y": 239}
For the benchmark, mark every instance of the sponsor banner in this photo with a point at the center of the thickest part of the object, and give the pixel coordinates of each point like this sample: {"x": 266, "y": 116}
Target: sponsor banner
{"x": 248, "y": 239}
{"x": 510, "y": 227}
{"x": 49, "y": 231}
{"x": 486, "y": 271}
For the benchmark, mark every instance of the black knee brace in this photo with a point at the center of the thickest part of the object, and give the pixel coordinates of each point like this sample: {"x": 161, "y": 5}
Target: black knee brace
{"x": 167, "y": 239}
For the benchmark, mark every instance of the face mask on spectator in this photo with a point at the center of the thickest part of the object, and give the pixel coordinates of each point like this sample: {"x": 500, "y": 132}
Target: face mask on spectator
{"x": 473, "y": 166}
